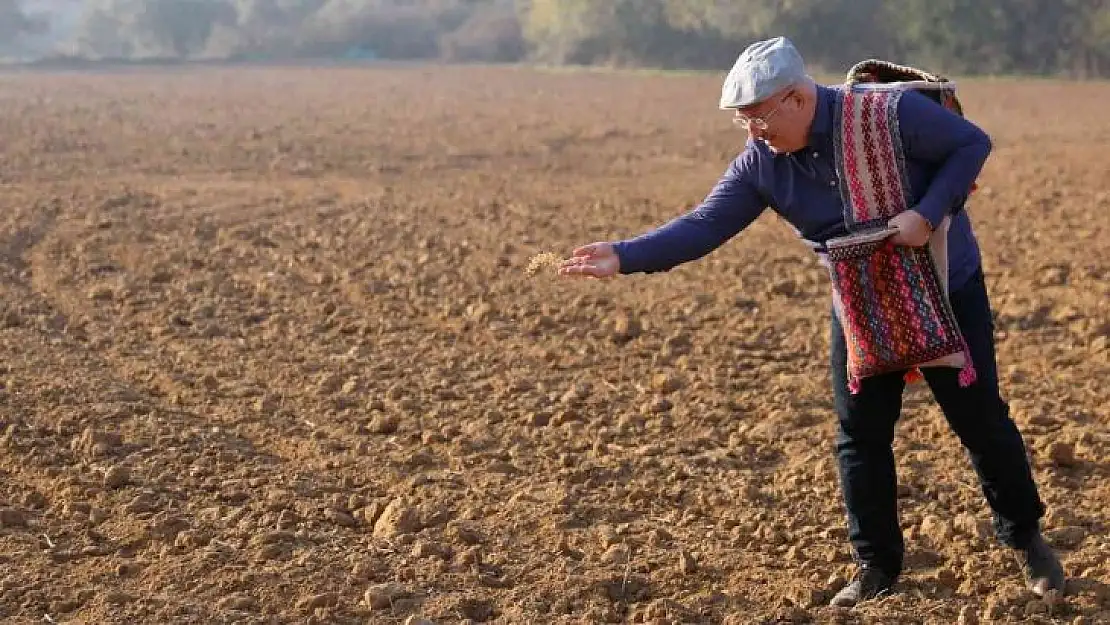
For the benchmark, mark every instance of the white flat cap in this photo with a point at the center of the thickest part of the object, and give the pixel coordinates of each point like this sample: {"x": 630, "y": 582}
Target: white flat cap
{"x": 762, "y": 68}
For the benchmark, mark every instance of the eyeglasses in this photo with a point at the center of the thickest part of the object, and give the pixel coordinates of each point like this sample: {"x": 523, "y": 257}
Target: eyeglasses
{"x": 759, "y": 123}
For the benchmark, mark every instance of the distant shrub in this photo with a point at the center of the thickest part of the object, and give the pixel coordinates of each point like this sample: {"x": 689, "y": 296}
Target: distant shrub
{"x": 490, "y": 34}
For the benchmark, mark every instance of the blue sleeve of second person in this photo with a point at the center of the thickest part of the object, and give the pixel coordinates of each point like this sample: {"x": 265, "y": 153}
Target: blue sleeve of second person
{"x": 732, "y": 205}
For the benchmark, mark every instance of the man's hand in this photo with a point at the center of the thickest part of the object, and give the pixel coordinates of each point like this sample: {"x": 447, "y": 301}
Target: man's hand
{"x": 913, "y": 229}
{"x": 596, "y": 260}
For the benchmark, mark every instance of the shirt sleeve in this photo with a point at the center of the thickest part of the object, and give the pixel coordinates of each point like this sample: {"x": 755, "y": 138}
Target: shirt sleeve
{"x": 732, "y": 205}
{"x": 956, "y": 147}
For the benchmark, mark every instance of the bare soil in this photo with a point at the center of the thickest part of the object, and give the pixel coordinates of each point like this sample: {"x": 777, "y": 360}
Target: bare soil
{"x": 271, "y": 352}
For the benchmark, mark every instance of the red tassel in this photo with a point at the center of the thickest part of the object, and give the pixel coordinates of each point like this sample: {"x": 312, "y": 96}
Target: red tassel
{"x": 968, "y": 375}
{"x": 913, "y": 376}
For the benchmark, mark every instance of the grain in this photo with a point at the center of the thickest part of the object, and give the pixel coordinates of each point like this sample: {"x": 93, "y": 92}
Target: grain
{"x": 541, "y": 260}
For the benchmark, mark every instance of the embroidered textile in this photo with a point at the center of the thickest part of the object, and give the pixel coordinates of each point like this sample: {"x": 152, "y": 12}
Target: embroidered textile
{"x": 892, "y": 300}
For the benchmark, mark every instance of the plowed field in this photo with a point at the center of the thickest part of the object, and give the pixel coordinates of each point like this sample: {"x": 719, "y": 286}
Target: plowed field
{"x": 270, "y": 353}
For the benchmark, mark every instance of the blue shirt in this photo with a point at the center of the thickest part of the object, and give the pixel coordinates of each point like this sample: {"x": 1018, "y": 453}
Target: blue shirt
{"x": 944, "y": 154}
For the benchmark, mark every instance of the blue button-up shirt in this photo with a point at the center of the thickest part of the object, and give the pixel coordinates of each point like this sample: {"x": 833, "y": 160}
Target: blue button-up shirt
{"x": 944, "y": 154}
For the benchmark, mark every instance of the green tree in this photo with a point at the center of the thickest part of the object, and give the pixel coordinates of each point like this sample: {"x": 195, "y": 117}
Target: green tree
{"x": 944, "y": 36}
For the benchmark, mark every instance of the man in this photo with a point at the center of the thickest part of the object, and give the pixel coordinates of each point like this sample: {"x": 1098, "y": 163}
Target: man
{"x": 788, "y": 164}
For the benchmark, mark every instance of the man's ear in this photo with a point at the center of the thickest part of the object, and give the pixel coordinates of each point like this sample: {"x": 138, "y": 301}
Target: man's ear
{"x": 797, "y": 98}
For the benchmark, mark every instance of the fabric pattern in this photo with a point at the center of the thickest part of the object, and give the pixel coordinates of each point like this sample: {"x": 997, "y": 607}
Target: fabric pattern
{"x": 892, "y": 300}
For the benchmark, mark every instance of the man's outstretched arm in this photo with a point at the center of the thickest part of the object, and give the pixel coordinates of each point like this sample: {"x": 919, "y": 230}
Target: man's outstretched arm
{"x": 732, "y": 205}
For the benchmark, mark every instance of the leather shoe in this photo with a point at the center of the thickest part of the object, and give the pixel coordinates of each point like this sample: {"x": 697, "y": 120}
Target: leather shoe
{"x": 1042, "y": 568}
{"x": 868, "y": 583}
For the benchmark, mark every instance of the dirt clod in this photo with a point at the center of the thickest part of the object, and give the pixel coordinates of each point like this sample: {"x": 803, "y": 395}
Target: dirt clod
{"x": 12, "y": 517}
{"x": 116, "y": 477}
{"x": 396, "y": 519}
{"x": 382, "y": 596}
{"x": 1062, "y": 454}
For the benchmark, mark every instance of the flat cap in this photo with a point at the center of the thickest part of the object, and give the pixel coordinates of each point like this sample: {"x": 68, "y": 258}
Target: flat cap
{"x": 762, "y": 68}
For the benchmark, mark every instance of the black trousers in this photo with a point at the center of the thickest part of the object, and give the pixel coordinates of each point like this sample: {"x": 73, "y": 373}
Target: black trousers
{"x": 977, "y": 414}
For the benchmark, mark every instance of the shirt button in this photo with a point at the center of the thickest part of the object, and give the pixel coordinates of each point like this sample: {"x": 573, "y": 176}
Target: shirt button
{"x": 815, "y": 155}
{"x": 832, "y": 183}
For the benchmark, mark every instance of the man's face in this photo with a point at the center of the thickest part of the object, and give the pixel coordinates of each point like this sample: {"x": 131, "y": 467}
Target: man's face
{"x": 776, "y": 121}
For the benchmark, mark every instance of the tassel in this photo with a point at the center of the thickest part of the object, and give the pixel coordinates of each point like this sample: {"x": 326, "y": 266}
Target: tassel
{"x": 913, "y": 376}
{"x": 967, "y": 375}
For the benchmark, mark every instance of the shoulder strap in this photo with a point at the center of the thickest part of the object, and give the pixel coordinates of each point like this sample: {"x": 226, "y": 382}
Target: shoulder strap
{"x": 866, "y": 116}
{"x": 877, "y": 72}
{"x": 867, "y": 147}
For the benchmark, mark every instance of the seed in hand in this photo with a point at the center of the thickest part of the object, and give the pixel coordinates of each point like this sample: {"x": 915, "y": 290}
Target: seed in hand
{"x": 539, "y": 261}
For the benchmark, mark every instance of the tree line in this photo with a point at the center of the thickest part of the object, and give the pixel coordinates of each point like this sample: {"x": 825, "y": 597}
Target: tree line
{"x": 1069, "y": 37}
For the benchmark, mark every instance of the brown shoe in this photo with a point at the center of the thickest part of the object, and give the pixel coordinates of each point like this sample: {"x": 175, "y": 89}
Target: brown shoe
{"x": 1042, "y": 568}
{"x": 868, "y": 583}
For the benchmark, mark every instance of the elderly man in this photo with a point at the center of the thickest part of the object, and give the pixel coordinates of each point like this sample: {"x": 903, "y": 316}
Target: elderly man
{"x": 789, "y": 164}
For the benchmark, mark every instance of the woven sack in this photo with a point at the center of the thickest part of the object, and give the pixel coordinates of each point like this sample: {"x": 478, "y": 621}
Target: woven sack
{"x": 891, "y": 300}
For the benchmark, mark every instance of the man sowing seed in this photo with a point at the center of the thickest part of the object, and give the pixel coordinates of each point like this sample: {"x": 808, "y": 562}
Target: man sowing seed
{"x": 789, "y": 164}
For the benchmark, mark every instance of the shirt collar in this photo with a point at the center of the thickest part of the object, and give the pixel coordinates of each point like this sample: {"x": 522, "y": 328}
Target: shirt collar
{"x": 822, "y": 116}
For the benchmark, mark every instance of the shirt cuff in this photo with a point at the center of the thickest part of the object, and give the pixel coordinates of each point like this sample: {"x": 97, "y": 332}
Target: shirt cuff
{"x": 626, "y": 256}
{"x": 932, "y": 212}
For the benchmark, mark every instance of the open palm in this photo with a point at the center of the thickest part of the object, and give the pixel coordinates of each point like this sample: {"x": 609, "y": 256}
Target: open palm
{"x": 596, "y": 260}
